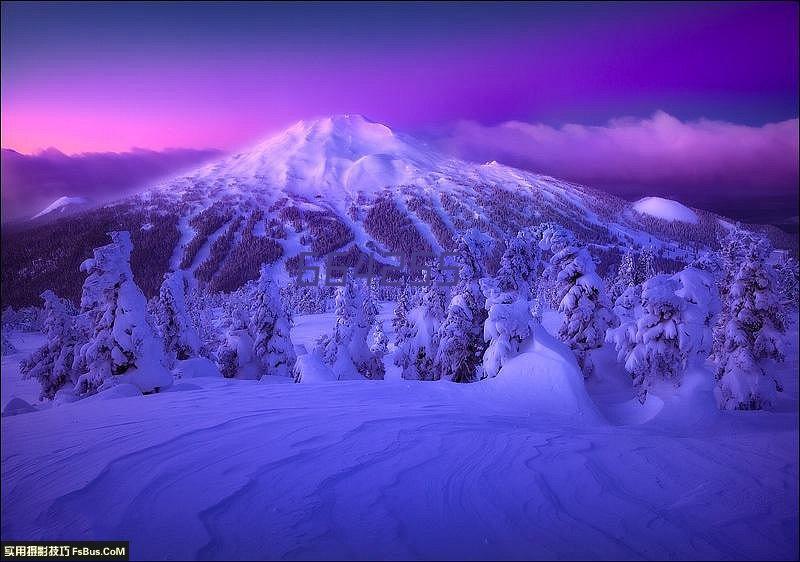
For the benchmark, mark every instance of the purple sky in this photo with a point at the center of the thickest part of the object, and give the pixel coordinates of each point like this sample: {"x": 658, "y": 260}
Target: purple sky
{"x": 97, "y": 77}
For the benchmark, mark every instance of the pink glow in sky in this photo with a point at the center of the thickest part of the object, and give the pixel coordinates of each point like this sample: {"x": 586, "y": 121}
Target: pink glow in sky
{"x": 105, "y": 78}
{"x": 632, "y": 97}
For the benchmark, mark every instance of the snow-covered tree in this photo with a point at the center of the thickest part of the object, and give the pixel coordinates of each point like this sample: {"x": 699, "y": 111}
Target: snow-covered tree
{"x": 508, "y": 324}
{"x": 52, "y": 364}
{"x": 175, "y": 324}
{"x": 627, "y": 309}
{"x": 419, "y": 333}
{"x": 731, "y": 250}
{"x": 269, "y": 326}
{"x": 347, "y": 350}
{"x": 345, "y": 304}
{"x": 201, "y": 305}
{"x": 402, "y": 327}
{"x": 581, "y": 295}
{"x": 121, "y": 343}
{"x": 228, "y": 361}
{"x": 751, "y": 331}
{"x": 380, "y": 343}
{"x": 788, "y": 280}
{"x": 461, "y": 344}
{"x": 698, "y": 289}
{"x": 646, "y": 268}
{"x": 510, "y": 312}
{"x": 661, "y": 346}
{"x": 627, "y": 276}
{"x": 435, "y": 294}
{"x": 235, "y": 357}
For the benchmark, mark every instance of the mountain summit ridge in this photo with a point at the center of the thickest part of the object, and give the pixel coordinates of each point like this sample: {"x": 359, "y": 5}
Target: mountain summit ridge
{"x": 345, "y": 151}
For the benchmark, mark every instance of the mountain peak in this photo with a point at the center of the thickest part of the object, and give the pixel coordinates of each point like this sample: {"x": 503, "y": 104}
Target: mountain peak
{"x": 330, "y": 155}
{"x": 345, "y": 127}
{"x": 62, "y": 205}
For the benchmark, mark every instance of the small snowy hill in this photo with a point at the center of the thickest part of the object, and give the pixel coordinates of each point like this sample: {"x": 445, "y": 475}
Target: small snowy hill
{"x": 666, "y": 209}
{"x": 62, "y": 206}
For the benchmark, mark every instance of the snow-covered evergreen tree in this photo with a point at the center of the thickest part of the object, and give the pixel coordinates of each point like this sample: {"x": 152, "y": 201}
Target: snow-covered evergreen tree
{"x": 646, "y": 267}
{"x": 269, "y": 326}
{"x": 698, "y": 289}
{"x": 627, "y": 309}
{"x": 435, "y": 294}
{"x": 121, "y": 345}
{"x": 403, "y": 329}
{"x": 788, "y": 281}
{"x": 751, "y": 331}
{"x": 509, "y": 308}
{"x": 175, "y": 324}
{"x": 235, "y": 357}
{"x": 420, "y": 330}
{"x": 661, "y": 346}
{"x": 380, "y": 343}
{"x": 345, "y": 304}
{"x": 461, "y": 344}
{"x": 581, "y": 295}
{"x": 52, "y": 364}
{"x": 627, "y": 276}
{"x": 508, "y": 324}
{"x": 201, "y": 305}
{"x": 347, "y": 350}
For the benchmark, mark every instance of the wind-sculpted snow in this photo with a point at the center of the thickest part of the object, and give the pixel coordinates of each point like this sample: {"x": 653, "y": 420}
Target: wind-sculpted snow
{"x": 375, "y": 469}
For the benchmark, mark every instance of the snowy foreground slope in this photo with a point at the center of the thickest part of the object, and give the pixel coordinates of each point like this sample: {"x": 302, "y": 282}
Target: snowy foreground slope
{"x": 526, "y": 465}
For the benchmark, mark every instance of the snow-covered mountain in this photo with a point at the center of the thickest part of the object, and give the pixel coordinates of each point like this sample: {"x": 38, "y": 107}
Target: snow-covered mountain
{"x": 340, "y": 183}
{"x": 62, "y": 206}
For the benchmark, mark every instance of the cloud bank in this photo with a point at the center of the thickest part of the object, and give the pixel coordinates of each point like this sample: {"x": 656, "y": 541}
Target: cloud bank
{"x": 748, "y": 172}
{"x": 32, "y": 181}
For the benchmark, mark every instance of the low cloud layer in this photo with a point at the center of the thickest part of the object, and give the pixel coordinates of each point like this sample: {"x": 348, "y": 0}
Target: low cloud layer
{"x": 32, "y": 181}
{"x": 748, "y": 172}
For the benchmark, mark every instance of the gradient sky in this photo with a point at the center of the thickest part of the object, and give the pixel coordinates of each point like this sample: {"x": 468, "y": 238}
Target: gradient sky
{"x": 108, "y": 77}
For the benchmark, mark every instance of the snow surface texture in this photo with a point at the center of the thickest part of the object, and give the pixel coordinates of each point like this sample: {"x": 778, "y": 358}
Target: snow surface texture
{"x": 530, "y": 464}
{"x": 666, "y": 209}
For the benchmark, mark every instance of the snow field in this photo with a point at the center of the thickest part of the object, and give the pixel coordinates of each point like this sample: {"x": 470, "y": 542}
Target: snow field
{"x": 233, "y": 469}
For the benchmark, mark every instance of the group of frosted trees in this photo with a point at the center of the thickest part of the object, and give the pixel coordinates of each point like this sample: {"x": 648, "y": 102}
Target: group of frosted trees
{"x": 108, "y": 340}
{"x": 256, "y": 343}
{"x": 117, "y": 337}
{"x": 356, "y": 347}
{"x": 487, "y": 318}
{"x": 728, "y": 306}
{"x": 659, "y": 324}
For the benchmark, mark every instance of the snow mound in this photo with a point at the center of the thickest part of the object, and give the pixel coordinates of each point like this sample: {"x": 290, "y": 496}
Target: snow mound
{"x": 61, "y": 205}
{"x": 666, "y": 209}
{"x": 17, "y": 406}
{"x": 194, "y": 368}
{"x": 309, "y": 368}
{"x": 122, "y": 390}
{"x": 546, "y": 377}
